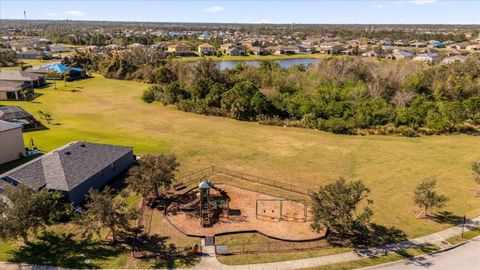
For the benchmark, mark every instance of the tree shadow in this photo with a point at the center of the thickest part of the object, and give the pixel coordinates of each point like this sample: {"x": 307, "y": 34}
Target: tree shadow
{"x": 155, "y": 248}
{"x": 446, "y": 217}
{"x": 64, "y": 251}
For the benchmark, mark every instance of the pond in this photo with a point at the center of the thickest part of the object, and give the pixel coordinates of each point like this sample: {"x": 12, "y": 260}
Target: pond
{"x": 284, "y": 63}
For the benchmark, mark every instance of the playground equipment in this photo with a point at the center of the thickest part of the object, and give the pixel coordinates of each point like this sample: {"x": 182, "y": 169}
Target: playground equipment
{"x": 205, "y": 215}
{"x": 281, "y": 213}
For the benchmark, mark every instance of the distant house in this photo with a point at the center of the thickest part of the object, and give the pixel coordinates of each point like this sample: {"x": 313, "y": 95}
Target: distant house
{"x": 180, "y": 49}
{"x": 37, "y": 80}
{"x": 330, "y": 47}
{"x": 474, "y": 47}
{"x": 55, "y": 71}
{"x": 15, "y": 90}
{"x": 226, "y": 46}
{"x": 135, "y": 45}
{"x": 17, "y": 115}
{"x": 73, "y": 169}
{"x": 436, "y": 44}
{"x": 30, "y": 54}
{"x": 303, "y": 48}
{"x": 426, "y": 57}
{"x": 235, "y": 51}
{"x": 204, "y": 36}
{"x": 418, "y": 44}
{"x": 11, "y": 142}
{"x": 371, "y": 53}
{"x": 399, "y": 55}
{"x": 206, "y": 49}
{"x": 284, "y": 50}
{"x": 454, "y": 59}
{"x": 258, "y": 50}
{"x": 58, "y": 48}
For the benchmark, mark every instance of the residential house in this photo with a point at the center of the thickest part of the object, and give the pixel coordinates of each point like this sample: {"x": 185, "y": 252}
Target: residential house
{"x": 330, "y": 47}
{"x": 473, "y": 47}
{"x": 30, "y": 54}
{"x": 226, "y": 46}
{"x": 135, "y": 45}
{"x": 371, "y": 53}
{"x": 454, "y": 59}
{"x": 436, "y": 44}
{"x": 206, "y": 49}
{"x": 284, "y": 50}
{"x": 426, "y": 57}
{"x": 258, "y": 50}
{"x": 73, "y": 169}
{"x": 36, "y": 80}
{"x": 11, "y": 90}
{"x": 418, "y": 44}
{"x": 16, "y": 114}
{"x": 57, "y": 70}
{"x": 11, "y": 142}
{"x": 303, "y": 48}
{"x": 235, "y": 51}
{"x": 180, "y": 49}
{"x": 58, "y": 48}
{"x": 399, "y": 55}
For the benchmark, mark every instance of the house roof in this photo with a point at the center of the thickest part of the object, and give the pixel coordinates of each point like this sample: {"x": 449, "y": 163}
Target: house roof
{"x": 8, "y": 113}
{"x": 35, "y": 52}
{"x": 180, "y": 45}
{"x": 19, "y": 75}
{"x": 11, "y": 86}
{"x": 206, "y": 45}
{"x": 57, "y": 67}
{"x": 68, "y": 166}
{"x": 5, "y": 126}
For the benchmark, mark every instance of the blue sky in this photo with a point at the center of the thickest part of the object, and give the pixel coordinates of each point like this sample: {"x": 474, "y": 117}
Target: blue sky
{"x": 249, "y": 11}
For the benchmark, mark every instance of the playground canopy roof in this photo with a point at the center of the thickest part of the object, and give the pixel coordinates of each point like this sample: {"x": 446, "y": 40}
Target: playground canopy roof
{"x": 205, "y": 185}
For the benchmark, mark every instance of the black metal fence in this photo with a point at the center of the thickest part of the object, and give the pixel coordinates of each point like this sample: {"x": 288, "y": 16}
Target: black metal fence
{"x": 194, "y": 177}
{"x": 273, "y": 246}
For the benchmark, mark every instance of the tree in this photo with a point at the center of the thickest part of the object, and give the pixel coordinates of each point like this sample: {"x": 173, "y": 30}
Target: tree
{"x": 427, "y": 198}
{"x": 46, "y": 116}
{"x": 53, "y": 74}
{"x": 476, "y": 171}
{"x": 153, "y": 173}
{"x": 103, "y": 210}
{"x": 335, "y": 206}
{"x": 27, "y": 211}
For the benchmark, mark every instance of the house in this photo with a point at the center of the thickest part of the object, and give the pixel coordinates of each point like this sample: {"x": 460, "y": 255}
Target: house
{"x": 30, "y": 54}
{"x": 135, "y": 45}
{"x": 436, "y": 44}
{"x": 330, "y": 47}
{"x": 418, "y": 44}
{"x": 57, "y": 70}
{"x": 17, "y": 115}
{"x": 474, "y": 47}
{"x": 284, "y": 50}
{"x": 58, "y": 48}
{"x": 258, "y": 50}
{"x": 204, "y": 36}
{"x": 73, "y": 169}
{"x": 399, "y": 55}
{"x": 371, "y": 53}
{"x": 302, "y": 48}
{"x": 11, "y": 142}
{"x": 180, "y": 49}
{"x": 226, "y": 46}
{"x": 454, "y": 59}
{"x": 235, "y": 51}
{"x": 426, "y": 57}
{"x": 206, "y": 49}
{"x": 10, "y": 90}
{"x": 37, "y": 80}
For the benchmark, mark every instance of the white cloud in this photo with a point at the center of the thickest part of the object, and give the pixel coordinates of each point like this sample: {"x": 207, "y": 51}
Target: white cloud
{"x": 423, "y": 2}
{"x": 52, "y": 14}
{"x": 76, "y": 13}
{"x": 214, "y": 9}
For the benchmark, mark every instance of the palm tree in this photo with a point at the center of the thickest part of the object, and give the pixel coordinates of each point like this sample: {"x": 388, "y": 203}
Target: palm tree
{"x": 53, "y": 74}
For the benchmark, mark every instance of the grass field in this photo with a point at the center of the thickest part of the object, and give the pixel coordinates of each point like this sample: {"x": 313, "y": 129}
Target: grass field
{"x": 111, "y": 111}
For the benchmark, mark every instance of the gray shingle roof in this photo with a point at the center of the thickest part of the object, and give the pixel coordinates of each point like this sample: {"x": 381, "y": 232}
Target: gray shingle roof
{"x": 67, "y": 166}
{"x": 4, "y": 126}
{"x": 19, "y": 75}
{"x": 8, "y": 113}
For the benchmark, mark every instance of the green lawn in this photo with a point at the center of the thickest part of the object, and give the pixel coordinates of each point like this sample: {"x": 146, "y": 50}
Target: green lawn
{"x": 111, "y": 111}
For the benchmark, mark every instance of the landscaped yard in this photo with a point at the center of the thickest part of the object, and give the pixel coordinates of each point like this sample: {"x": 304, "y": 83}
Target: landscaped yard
{"x": 111, "y": 111}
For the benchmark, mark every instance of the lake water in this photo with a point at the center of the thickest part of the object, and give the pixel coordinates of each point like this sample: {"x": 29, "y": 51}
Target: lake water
{"x": 285, "y": 63}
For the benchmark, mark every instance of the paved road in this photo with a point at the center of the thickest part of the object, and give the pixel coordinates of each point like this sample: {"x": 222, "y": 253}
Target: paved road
{"x": 466, "y": 257}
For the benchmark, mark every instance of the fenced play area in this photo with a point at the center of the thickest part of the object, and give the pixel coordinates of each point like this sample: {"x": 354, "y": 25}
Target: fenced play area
{"x": 211, "y": 209}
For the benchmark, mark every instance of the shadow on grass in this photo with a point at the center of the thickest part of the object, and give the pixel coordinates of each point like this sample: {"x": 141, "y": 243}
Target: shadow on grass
{"x": 154, "y": 248}
{"x": 65, "y": 251}
{"x": 446, "y": 217}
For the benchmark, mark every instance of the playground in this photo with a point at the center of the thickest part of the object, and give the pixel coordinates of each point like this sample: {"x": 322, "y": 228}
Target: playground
{"x": 215, "y": 209}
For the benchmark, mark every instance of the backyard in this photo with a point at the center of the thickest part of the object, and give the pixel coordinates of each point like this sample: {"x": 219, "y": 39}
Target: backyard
{"x": 111, "y": 111}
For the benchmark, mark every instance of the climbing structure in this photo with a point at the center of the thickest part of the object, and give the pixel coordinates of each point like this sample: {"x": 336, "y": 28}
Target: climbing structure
{"x": 205, "y": 213}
